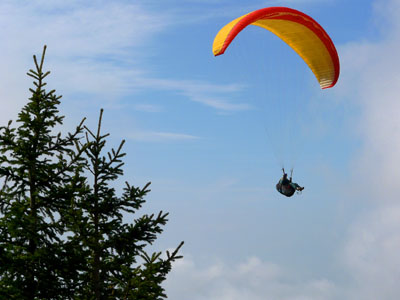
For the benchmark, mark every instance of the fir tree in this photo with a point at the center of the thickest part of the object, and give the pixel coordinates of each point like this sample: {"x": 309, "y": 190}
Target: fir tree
{"x": 40, "y": 175}
{"x": 62, "y": 237}
{"x": 112, "y": 248}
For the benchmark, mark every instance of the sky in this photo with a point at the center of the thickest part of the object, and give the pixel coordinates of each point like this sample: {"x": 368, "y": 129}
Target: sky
{"x": 206, "y": 132}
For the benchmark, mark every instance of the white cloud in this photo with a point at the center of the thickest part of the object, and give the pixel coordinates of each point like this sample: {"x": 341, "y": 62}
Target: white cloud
{"x": 95, "y": 51}
{"x": 372, "y": 74}
{"x": 90, "y": 46}
{"x": 209, "y": 94}
{"x": 372, "y": 254}
{"x": 155, "y": 136}
{"x": 148, "y": 108}
{"x": 76, "y": 29}
{"x": 370, "y": 79}
{"x": 252, "y": 279}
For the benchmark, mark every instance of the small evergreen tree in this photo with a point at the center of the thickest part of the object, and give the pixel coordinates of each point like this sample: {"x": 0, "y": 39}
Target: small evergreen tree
{"x": 61, "y": 237}
{"x": 111, "y": 247}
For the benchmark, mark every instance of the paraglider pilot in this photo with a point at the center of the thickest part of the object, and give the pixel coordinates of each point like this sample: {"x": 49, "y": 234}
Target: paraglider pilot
{"x": 286, "y": 187}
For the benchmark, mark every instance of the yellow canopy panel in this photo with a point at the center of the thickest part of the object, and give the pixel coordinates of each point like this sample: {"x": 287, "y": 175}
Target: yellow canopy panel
{"x": 303, "y": 34}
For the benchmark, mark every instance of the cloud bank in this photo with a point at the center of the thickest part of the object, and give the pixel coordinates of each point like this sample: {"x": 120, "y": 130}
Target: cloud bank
{"x": 251, "y": 279}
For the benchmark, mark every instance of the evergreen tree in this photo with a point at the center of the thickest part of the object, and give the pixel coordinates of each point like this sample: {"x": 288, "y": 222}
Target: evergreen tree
{"x": 39, "y": 172}
{"x": 62, "y": 237}
{"x": 111, "y": 247}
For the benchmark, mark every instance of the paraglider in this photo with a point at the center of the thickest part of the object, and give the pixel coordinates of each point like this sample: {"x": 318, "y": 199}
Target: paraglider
{"x": 304, "y": 35}
{"x": 286, "y": 186}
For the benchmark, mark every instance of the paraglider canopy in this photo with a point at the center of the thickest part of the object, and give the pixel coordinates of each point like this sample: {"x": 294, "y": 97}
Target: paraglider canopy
{"x": 302, "y": 33}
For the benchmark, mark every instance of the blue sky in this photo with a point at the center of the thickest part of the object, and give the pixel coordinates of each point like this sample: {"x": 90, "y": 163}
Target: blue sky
{"x": 206, "y": 139}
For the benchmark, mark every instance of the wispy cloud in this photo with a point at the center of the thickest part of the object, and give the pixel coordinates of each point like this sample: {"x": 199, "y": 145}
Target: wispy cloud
{"x": 80, "y": 30}
{"x": 90, "y": 46}
{"x": 96, "y": 50}
{"x": 212, "y": 95}
{"x": 219, "y": 103}
{"x": 157, "y": 136}
{"x": 151, "y": 108}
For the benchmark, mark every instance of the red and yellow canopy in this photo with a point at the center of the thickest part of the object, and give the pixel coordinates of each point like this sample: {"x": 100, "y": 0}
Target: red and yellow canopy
{"x": 295, "y": 28}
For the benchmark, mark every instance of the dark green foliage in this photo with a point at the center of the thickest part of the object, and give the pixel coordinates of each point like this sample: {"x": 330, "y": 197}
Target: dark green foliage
{"x": 111, "y": 247}
{"x": 61, "y": 237}
{"x": 39, "y": 171}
